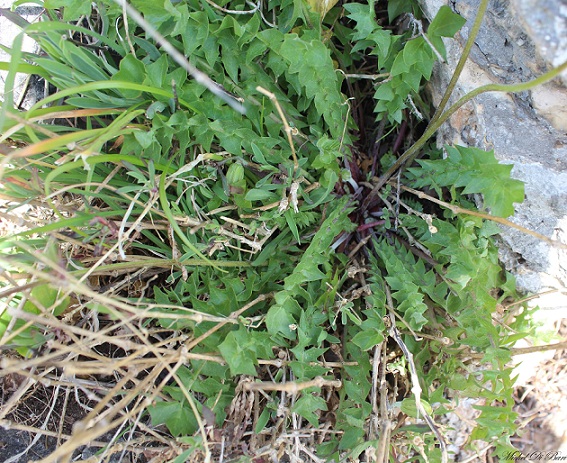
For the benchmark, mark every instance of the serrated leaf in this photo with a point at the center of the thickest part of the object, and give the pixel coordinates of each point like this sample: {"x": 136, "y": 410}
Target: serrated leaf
{"x": 409, "y": 282}
{"x": 476, "y": 171}
{"x": 364, "y": 17}
{"x": 383, "y": 40}
{"x": 418, "y": 55}
{"x": 310, "y": 61}
{"x": 242, "y": 348}
{"x": 329, "y": 152}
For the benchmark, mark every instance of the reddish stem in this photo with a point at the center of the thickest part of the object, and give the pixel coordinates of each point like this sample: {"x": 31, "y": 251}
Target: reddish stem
{"x": 366, "y": 226}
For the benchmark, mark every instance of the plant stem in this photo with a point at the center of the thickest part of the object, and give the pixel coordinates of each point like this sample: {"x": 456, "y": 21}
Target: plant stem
{"x": 462, "y": 60}
{"x": 412, "y": 152}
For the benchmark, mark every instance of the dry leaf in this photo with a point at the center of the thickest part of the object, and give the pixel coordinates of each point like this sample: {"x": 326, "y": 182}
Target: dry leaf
{"x": 322, "y": 6}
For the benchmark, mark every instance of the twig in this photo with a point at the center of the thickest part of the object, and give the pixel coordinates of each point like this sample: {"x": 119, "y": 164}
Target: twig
{"x": 313, "y": 457}
{"x": 126, "y": 29}
{"x": 292, "y": 387}
{"x": 416, "y": 388}
{"x": 459, "y": 210}
{"x": 233, "y": 316}
{"x": 360, "y": 244}
{"x": 287, "y": 128}
{"x": 255, "y": 8}
{"x": 531, "y": 297}
{"x": 526, "y": 350}
{"x": 367, "y": 76}
{"x": 375, "y": 371}
{"x": 478, "y": 455}
{"x": 178, "y": 57}
{"x": 382, "y": 455}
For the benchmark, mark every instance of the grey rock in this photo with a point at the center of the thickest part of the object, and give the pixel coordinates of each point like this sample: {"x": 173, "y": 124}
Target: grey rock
{"x": 518, "y": 41}
{"x": 546, "y": 23}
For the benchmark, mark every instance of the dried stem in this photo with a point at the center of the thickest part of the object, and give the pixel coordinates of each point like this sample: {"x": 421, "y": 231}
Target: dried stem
{"x": 292, "y": 387}
{"x": 287, "y": 128}
{"x": 416, "y": 388}
{"x": 178, "y": 57}
{"x": 459, "y": 210}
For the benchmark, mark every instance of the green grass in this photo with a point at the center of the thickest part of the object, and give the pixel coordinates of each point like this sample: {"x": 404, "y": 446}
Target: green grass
{"x": 214, "y": 269}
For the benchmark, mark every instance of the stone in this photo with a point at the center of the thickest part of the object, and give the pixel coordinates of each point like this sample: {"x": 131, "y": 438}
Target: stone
{"x": 519, "y": 40}
{"x": 27, "y": 89}
{"x": 550, "y": 102}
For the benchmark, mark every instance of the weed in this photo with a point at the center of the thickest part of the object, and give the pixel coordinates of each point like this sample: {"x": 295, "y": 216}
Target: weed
{"x": 208, "y": 256}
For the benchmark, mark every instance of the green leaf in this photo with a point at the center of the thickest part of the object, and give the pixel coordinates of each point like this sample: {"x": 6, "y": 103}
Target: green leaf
{"x": 131, "y": 70}
{"x": 262, "y": 420}
{"x": 290, "y": 218}
{"x": 256, "y": 194}
{"x": 364, "y": 17}
{"x": 476, "y": 171}
{"x": 235, "y": 173}
{"x": 368, "y": 338}
{"x": 446, "y": 23}
{"x": 307, "y": 405}
{"x": 418, "y": 56}
{"x": 279, "y": 321}
{"x": 397, "y": 7}
{"x": 184, "y": 456}
{"x": 46, "y": 295}
{"x": 157, "y": 72}
{"x": 153, "y": 11}
{"x": 329, "y": 153}
{"x": 178, "y": 418}
{"x": 72, "y": 9}
{"x": 409, "y": 407}
{"x": 409, "y": 281}
{"x": 240, "y": 350}
{"x": 311, "y": 62}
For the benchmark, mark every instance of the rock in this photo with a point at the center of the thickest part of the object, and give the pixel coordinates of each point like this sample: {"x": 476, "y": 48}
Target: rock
{"x": 27, "y": 89}
{"x": 546, "y": 23}
{"x": 518, "y": 41}
{"x": 550, "y": 102}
